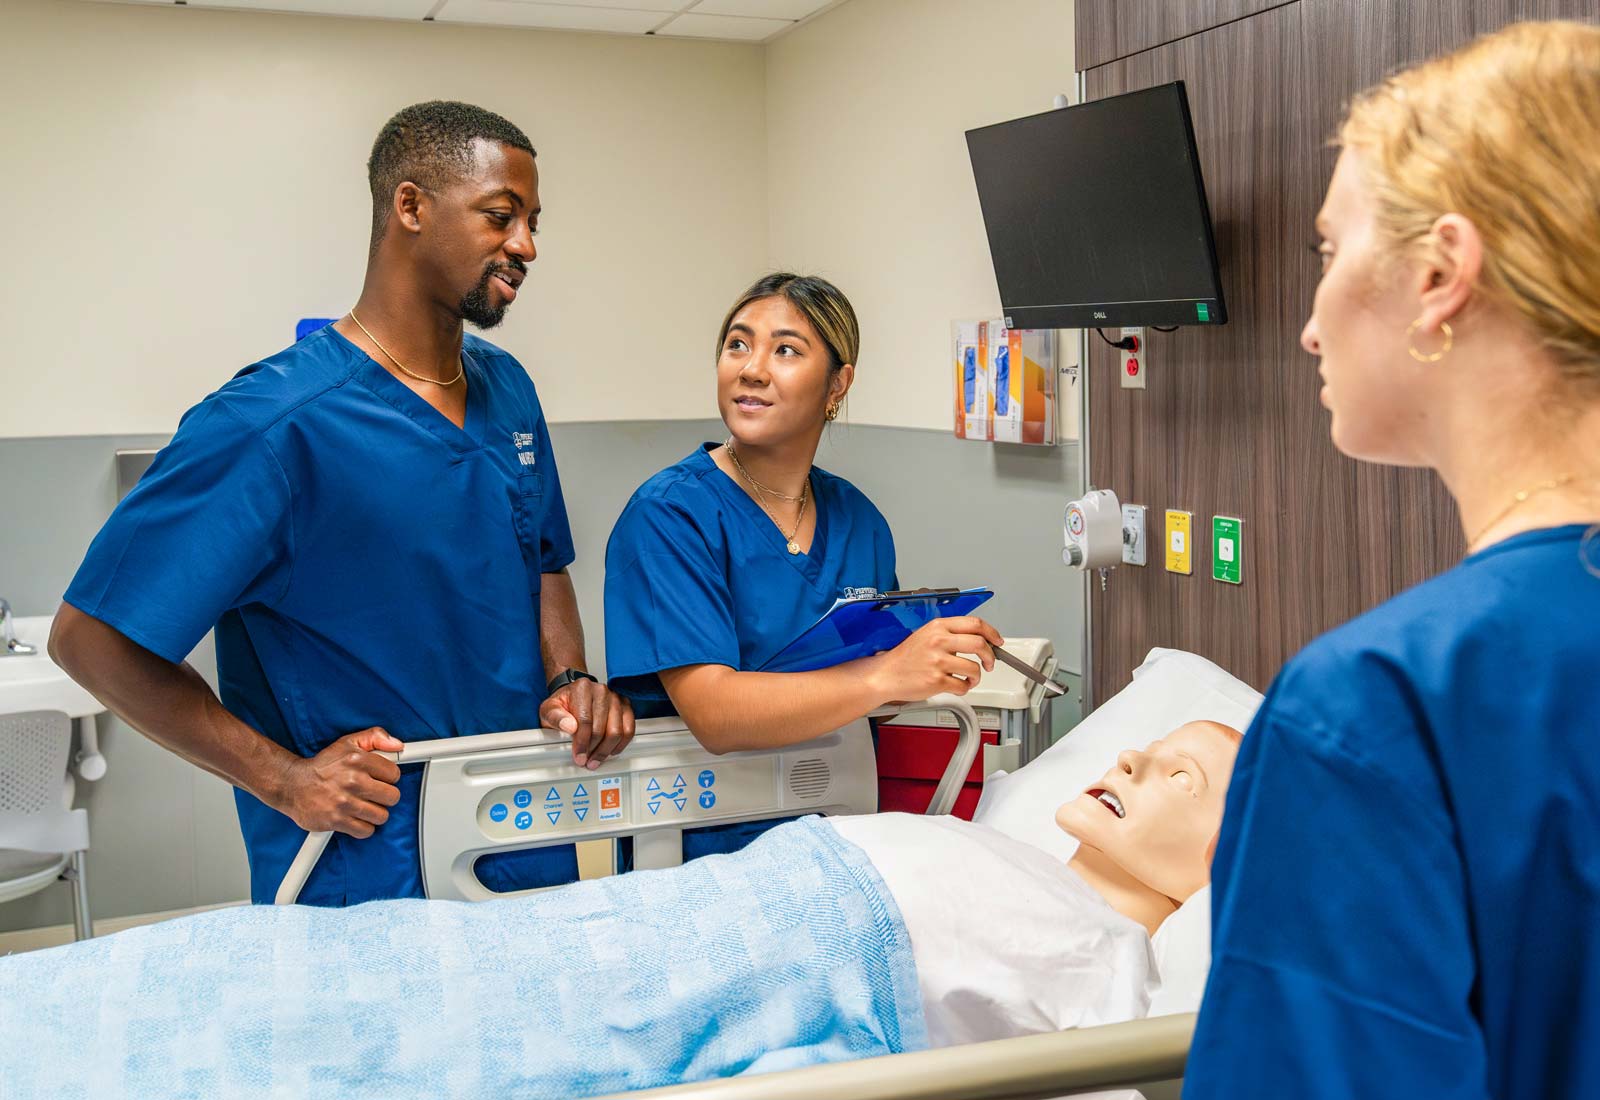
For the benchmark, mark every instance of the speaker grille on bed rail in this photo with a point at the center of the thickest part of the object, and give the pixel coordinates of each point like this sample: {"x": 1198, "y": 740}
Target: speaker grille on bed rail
{"x": 809, "y": 778}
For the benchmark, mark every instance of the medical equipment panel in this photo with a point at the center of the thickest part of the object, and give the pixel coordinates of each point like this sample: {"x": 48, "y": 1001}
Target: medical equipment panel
{"x": 1227, "y": 549}
{"x": 671, "y": 794}
{"x": 533, "y": 795}
{"x": 1180, "y": 547}
{"x": 501, "y": 792}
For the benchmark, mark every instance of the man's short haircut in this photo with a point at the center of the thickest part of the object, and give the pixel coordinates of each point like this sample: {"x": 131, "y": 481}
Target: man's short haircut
{"x": 430, "y": 144}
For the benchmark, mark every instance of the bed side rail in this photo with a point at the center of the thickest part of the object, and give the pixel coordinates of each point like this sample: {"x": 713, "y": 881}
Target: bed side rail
{"x": 969, "y": 742}
{"x": 1033, "y": 1067}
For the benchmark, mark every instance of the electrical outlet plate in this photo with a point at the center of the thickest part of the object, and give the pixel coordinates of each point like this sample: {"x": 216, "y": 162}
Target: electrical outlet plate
{"x": 1133, "y": 534}
{"x": 1133, "y": 363}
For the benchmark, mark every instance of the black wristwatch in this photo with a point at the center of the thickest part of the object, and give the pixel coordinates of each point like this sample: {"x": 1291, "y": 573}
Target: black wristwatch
{"x": 562, "y": 679}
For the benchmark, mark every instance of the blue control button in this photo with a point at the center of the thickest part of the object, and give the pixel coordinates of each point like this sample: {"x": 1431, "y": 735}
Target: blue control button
{"x": 654, "y": 807}
{"x": 552, "y": 795}
{"x": 708, "y": 799}
{"x": 582, "y": 812}
{"x": 678, "y": 784}
{"x": 554, "y": 816}
{"x": 498, "y": 812}
{"x": 652, "y": 785}
{"x": 522, "y": 798}
{"x": 580, "y": 792}
{"x": 524, "y": 820}
{"x": 708, "y": 778}
{"x": 680, "y": 803}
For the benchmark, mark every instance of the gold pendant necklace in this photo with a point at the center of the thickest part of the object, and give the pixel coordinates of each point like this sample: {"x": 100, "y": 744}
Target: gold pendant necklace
{"x": 431, "y": 381}
{"x": 761, "y": 499}
{"x": 1520, "y": 498}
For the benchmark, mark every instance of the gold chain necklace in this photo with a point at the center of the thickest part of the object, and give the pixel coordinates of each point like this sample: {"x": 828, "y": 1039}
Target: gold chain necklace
{"x": 728, "y": 446}
{"x": 761, "y": 499}
{"x": 432, "y": 381}
{"x": 1516, "y": 501}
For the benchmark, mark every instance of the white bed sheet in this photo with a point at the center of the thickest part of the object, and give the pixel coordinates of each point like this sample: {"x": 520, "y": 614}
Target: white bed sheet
{"x": 1007, "y": 940}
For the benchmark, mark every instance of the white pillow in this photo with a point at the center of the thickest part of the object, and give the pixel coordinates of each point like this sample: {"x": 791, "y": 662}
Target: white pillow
{"x": 1182, "y": 947}
{"x": 1171, "y": 687}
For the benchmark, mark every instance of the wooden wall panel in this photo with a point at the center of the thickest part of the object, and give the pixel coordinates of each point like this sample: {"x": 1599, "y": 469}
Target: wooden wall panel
{"x": 1112, "y": 29}
{"x": 1230, "y": 423}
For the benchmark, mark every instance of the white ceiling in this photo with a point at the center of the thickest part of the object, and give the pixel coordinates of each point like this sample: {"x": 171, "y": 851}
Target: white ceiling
{"x": 727, "y": 20}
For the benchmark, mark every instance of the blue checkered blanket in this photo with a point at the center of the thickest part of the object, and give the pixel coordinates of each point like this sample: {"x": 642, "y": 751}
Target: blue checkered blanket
{"x": 789, "y": 953}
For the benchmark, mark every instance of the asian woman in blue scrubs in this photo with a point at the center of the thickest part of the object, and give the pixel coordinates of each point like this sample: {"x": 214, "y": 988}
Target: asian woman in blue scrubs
{"x": 724, "y": 557}
{"x": 1407, "y": 882}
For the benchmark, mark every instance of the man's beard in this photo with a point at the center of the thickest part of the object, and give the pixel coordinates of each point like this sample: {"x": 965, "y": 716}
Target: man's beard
{"x": 477, "y": 308}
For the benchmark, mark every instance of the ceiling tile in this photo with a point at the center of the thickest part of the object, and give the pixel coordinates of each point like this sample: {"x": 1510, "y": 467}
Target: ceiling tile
{"x": 567, "y": 17}
{"x": 762, "y": 9}
{"x": 694, "y": 25}
{"x": 621, "y": 5}
{"x": 361, "y": 9}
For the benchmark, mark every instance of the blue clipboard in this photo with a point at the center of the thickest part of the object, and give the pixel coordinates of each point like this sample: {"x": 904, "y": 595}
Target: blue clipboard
{"x": 861, "y": 627}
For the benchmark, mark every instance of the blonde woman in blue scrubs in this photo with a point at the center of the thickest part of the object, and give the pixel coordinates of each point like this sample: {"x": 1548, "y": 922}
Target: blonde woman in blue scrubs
{"x": 723, "y": 558}
{"x": 1407, "y": 884}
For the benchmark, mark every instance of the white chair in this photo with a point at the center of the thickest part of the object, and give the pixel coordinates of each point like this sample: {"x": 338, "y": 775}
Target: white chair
{"x": 42, "y": 840}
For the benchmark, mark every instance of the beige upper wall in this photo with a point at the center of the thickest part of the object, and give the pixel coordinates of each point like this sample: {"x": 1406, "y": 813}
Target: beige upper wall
{"x": 869, "y": 181}
{"x": 182, "y": 185}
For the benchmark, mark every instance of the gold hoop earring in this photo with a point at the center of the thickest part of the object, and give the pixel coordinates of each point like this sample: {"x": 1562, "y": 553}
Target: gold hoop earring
{"x": 1449, "y": 341}
{"x": 831, "y": 413}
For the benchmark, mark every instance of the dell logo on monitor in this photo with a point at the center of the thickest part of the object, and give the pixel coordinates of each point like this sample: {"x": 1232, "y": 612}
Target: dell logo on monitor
{"x": 1099, "y": 315}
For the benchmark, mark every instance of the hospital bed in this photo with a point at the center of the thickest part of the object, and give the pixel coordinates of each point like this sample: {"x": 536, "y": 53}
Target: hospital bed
{"x": 1171, "y": 687}
{"x": 469, "y": 776}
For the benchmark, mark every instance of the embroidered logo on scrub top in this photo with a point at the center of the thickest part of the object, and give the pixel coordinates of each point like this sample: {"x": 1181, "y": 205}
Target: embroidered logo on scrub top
{"x": 524, "y": 440}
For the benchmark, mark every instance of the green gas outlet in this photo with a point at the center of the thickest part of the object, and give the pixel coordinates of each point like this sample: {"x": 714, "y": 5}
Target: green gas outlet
{"x": 1227, "y": 549}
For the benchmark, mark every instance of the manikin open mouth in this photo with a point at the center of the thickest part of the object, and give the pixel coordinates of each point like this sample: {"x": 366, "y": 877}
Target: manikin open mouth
{"x": 1108, "y": 800}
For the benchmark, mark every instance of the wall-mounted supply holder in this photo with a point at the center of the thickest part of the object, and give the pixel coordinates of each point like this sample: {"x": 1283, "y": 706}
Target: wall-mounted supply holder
{"x": 1005, "y": 382}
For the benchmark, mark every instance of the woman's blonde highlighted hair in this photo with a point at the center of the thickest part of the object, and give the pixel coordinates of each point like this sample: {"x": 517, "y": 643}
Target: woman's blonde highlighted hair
{"x": 822, "y": 303}
{"x": 1505, "y": 132}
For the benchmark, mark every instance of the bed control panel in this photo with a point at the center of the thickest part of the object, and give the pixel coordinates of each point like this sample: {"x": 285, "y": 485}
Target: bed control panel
{"x": 558, "y": 806}
{"x": 521, "y": 790}
{"x": 719, "y": 790}
{"x": 602, "y": 804}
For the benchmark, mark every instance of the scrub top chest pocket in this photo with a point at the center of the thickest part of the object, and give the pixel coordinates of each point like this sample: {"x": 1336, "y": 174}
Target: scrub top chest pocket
{"x": 526, "y": 454}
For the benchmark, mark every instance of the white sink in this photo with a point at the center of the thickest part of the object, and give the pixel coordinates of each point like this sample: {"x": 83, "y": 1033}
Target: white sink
{"x": 36, "y": 682}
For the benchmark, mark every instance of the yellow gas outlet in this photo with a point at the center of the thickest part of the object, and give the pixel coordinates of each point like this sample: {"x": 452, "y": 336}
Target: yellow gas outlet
{"x": 1180, "y": 547}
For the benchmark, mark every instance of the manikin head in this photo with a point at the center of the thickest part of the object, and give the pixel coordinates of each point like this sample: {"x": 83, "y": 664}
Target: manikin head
{"x": 1155, "y": 813}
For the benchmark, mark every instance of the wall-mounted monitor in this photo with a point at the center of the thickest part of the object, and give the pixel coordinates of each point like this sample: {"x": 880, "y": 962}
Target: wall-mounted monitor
{"x": 1097, "y": 214}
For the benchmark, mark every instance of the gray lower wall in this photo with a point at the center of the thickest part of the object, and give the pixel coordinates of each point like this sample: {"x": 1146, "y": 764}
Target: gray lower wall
{"x": 164, "y": 834}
